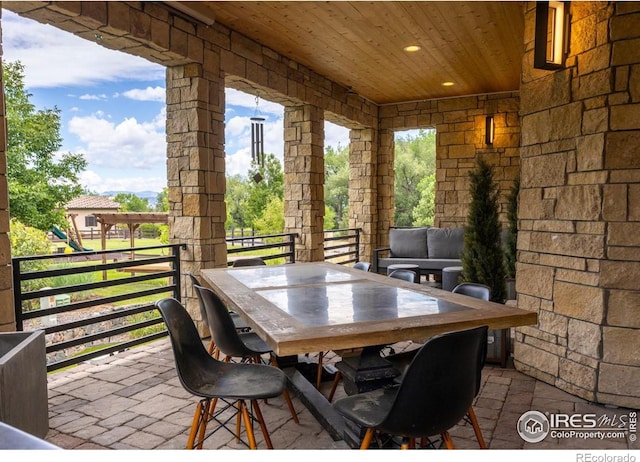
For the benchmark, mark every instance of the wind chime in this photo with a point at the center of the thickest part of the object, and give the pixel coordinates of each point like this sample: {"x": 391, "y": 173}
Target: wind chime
{"x": 257, "y": 136}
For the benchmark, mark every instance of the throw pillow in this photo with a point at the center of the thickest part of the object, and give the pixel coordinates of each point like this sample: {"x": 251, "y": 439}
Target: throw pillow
{"x": 445, "y": 242}
{"x": 408, "y": 243}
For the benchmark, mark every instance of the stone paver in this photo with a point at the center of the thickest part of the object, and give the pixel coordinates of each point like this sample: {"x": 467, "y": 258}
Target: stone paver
{"x": 134, "y": 400}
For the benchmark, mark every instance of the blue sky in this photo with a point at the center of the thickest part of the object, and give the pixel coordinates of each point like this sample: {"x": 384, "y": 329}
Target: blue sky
{"x": 113, "y": 111}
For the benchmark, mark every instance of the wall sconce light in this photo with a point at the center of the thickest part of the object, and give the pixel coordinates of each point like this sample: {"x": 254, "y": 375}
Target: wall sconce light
{"x": 552, "y": 31}
{"x": 490, "y": 130}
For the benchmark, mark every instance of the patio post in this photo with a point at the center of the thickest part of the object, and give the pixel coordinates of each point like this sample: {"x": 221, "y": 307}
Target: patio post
{"x": 304, "y": 179}
{"x": 196, "y": 170}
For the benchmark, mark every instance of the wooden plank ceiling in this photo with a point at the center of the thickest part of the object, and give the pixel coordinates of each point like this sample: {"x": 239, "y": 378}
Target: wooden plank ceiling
{"x": 476, "y": 45}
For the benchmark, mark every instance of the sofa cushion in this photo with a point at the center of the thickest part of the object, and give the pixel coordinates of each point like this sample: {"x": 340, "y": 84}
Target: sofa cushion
{"x": 408, "y": 243}
{"x": 445, "y": 242}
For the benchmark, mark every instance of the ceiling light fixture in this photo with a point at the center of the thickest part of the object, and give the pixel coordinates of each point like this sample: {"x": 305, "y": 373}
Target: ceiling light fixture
{"x": 448, "y": 84}
{"x": 412, "y": 48}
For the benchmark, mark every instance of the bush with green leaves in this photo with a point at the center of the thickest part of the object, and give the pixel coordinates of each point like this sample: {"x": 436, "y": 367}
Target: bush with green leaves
{"x": 27, "y": 242}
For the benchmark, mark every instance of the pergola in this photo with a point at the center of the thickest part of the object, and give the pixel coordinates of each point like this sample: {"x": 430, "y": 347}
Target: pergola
{"x": 571, "y": 133}
{"x": 133, "y": 220}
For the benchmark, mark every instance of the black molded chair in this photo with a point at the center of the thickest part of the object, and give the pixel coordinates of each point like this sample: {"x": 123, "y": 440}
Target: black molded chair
{"x": 246, "y": 346}
{"x": 239, "y": 323}
{"x": 434, "y": 395}
{"x": 362, "y": 265}
{"x": 252, "y": 261}
{"x": 482, "y": 292}
{"x": 405, "y": 275}
{"x": 213, "y": 380}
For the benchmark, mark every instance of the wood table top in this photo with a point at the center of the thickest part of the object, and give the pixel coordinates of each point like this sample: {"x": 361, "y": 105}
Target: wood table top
{"x": 305, "y": 307}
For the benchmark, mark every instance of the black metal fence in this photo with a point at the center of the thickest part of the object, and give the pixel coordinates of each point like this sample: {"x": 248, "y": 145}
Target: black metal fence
{"x": 342, "y": 245}
{"x": 94, "y": 303}
{"x": 255, "y": 245}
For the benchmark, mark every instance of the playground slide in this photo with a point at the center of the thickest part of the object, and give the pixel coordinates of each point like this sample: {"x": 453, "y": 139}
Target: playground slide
{"x": 73, "y": 244}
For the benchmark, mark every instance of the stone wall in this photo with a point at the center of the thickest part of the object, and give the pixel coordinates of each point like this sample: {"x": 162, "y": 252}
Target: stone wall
{"x": 579, "y": 251}
{"x": 7, "y": 315}
{"x": 460, "y": 139}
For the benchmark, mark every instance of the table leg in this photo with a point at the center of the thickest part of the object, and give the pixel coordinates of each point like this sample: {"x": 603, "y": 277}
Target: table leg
{"x": 367, "y": 371}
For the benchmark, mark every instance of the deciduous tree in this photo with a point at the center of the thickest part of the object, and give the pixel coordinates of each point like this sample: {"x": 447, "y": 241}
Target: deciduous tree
{"x": 41, "y": 180}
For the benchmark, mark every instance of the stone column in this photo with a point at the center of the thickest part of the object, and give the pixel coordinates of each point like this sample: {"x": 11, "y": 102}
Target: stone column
{"x": 7, "y": 314}
{"x": 196, "y": 170}
{"x": 304, "y": 180}
{"x": 579, "y": 245}
{"x": 363, "y": 187}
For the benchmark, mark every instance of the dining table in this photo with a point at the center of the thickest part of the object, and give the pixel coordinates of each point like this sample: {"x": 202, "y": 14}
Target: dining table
{"x": 321, "y": 306}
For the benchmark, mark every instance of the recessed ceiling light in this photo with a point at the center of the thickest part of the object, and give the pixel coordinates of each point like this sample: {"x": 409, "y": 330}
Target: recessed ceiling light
{"x": 412, "y": 48}
{"x": 448, "y": 84}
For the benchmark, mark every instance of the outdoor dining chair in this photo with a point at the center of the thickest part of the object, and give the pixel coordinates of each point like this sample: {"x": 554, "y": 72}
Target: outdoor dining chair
{"x": 362, "y": 265}
{"x": 252, "y": 261}
{"x": 214, "y": 381}
{"x": 435, "y": 393}
{"x": 405, "y": 275}
{"x": 246, "y": 346}
{"x": 482, "y": 292}
{"x": 238, "y": 322}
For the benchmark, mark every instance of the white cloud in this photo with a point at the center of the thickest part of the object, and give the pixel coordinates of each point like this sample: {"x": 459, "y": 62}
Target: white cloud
{"x": 128, "y": 144}
{"x": 87, "y": 97}
{"x": 52, "y": 56}
{"x": 95, "y": 182}
{"x": 156, "y": 94}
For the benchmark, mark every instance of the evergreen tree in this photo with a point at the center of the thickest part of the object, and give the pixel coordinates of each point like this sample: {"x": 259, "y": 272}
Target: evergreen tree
{"x": 512, "y": 227}
{"x": 482, "y": 256}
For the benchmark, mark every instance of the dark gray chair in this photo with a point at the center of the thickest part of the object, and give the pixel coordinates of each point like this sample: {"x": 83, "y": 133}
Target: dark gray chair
{"x": 482, "y": 292}
{"x": 436, "y": 391}
{"x": 246, "y": 346}
{"x": 215, "y": 381}
{"x": 362, "y": 265}
{"x": 473, "y": 289}
{"x": 252, "y": 261}
{"x": 405, "y": 275}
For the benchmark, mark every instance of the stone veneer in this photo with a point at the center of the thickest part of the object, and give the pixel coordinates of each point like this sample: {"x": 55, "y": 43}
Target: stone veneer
{"x": 7, "y": 316}
{"x": 579, "y": 244}
{"x": 460, "y": 139}
{"x": 304, "y": 179}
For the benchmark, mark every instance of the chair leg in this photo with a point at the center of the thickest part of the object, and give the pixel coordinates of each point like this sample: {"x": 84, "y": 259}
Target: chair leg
{"x": 242, "y": 407}
{"x": 195, "y": 424}
{"x": 448, "y": 442}
{"x": 319, "y": 371}
{"x": 263, "y": 425}
{"x": 366, "y": 441}
{"x": 334, "y": 386}
{"x": 285, "y": 393}
{"x": 476, "y": 427}
{"x": 292, "y": 409}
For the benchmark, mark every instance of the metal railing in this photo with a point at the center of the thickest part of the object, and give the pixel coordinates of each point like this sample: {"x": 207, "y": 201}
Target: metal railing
{"x": 284, "y": 241}
{"x": 94, "y": 323}
{"x": 342, "y": 245}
